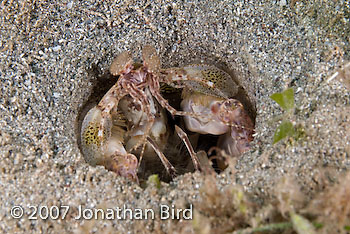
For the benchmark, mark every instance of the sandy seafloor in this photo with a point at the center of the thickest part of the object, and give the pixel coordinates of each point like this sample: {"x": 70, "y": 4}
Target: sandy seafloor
{"x": 48, "y": 51}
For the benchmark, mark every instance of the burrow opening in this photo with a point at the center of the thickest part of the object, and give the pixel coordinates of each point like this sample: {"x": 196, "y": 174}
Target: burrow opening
{"x": 175, "y": 150}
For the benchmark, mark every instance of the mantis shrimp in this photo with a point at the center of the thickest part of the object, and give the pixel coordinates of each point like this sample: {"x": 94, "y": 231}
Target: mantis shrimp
{"x": 133, "y": 114}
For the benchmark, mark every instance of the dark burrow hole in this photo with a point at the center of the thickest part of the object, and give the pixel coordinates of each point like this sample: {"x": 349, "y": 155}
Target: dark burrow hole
{"x": 175, "y": 150}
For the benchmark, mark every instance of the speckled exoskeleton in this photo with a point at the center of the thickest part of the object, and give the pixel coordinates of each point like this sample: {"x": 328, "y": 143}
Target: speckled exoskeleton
{"x": 220, "y": 114}
{"x": 109, "y": 152}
